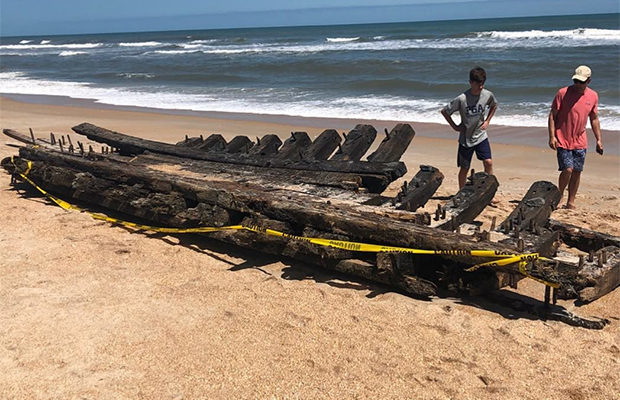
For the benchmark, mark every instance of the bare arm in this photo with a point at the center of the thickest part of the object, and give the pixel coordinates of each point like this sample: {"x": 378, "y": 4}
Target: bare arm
{"x": 596, "y": 128}
{"x": 448, "y": 118}
{"x": 487, "y": 121}
{"x": 553, "y": 142}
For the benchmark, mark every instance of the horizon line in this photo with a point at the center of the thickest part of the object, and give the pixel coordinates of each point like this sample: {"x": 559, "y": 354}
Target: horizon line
{"x": 276, "y": 26}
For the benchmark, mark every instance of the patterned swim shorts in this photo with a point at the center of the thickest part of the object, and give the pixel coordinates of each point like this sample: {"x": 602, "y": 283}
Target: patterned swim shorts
{"x": 571, "y": 159}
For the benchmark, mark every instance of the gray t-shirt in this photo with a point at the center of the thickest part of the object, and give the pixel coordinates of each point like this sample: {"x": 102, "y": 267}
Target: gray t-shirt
{"x": 473, "y": 111}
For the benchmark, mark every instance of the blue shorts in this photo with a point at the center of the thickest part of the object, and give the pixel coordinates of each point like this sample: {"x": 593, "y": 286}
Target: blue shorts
{"x": 482, "y": 149}
{"x": 571, "y": 159}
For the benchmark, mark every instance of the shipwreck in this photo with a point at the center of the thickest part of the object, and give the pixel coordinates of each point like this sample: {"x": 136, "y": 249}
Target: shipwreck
{"x": 324, "y": 205}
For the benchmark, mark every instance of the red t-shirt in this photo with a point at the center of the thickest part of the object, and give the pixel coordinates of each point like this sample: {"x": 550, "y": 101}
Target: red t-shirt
{"x": 573, "y": 111}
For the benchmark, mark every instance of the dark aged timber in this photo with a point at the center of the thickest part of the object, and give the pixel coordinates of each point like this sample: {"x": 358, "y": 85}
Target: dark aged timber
{"x": 322, "y": 188}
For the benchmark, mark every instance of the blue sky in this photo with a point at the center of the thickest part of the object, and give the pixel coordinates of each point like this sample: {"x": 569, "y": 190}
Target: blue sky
{"x": 35, "y": 17}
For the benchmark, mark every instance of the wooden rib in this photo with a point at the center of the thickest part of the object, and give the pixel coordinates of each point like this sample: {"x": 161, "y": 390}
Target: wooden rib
{"x": 534, "y": 209}
{"x": 239, "y": 144}
{"x": 356, "y": 144}
{"x": 465, "y": 206}
{"x": 214, "y": 142}
{"x": 394, "y": 144}
{"x": 421, "y": 188}
{"x": 268, "y": 145}
{"x": 294, "y": 146}
{"x": 323, "y": 146}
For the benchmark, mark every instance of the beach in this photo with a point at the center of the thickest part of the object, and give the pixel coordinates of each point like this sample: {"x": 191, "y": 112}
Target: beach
{"x": 91, "y": 310}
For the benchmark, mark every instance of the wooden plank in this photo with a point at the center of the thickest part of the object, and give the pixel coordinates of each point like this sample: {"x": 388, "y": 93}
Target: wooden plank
{"x": 294, "y": 146}
{"x": 394, "y": 145}
{"x": 356, "y": 143}
{"x": 323, "y": 146}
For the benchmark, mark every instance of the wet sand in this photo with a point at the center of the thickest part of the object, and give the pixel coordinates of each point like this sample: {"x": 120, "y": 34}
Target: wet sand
{"x": 95, "y": 311}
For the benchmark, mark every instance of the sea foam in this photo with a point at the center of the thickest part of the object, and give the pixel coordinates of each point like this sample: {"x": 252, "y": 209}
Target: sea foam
{"x": 272, "y": 102}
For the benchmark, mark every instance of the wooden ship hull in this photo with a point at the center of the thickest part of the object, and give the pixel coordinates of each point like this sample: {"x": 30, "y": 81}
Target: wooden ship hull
{"x": 322, "y": 189}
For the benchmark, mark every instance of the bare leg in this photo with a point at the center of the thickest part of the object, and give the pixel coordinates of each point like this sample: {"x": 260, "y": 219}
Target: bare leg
{"x": 462, "y": 177}
{"x": 573, "y": 185}
{"x": 488, "y": 166}
{"x": 563, "y": 180}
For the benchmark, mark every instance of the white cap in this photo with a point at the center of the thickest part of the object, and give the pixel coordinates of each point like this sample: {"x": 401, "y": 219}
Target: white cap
{"x": 582, "y": 73}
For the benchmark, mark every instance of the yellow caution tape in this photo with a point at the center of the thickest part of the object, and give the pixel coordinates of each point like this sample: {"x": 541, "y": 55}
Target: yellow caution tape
{"x": 505, "y": 258}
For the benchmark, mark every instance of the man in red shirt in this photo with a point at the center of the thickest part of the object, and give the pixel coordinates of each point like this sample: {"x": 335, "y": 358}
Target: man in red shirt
{"x": 571, "y": 108}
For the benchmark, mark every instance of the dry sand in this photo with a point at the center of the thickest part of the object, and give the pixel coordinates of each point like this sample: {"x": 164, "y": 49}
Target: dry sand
{"x": 92, "y": 311}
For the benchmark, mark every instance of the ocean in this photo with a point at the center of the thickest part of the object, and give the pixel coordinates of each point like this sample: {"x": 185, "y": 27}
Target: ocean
{"x": 395, "y": 72}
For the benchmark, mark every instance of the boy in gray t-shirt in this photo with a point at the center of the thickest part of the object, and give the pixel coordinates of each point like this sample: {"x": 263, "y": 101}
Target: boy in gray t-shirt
{"x": 476, "y": 107}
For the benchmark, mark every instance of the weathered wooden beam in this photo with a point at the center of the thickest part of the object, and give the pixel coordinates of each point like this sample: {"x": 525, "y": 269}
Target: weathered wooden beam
{"x": 356, "y": 143}
{"x": 394, "y": 145}
{"x": 582, "y": 238}
{"x": 20, "y": 137}
{"x": 545, "y": 243}
{"x": 294, "y": 146}
{"x": 534, "y": 209}
{"x": 465, "y": 206}
{"x": 319, "y": 183}
{"x": 421, "y": 188}
{"x": 589, "y": 279}
{"x": 414, "y": 194}
{"x": 323, "y": 146}
{"x": 603, "y": 272}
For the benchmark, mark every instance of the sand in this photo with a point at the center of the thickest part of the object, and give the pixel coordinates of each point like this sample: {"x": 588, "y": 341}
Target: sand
{"x": 89, "y": 310}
